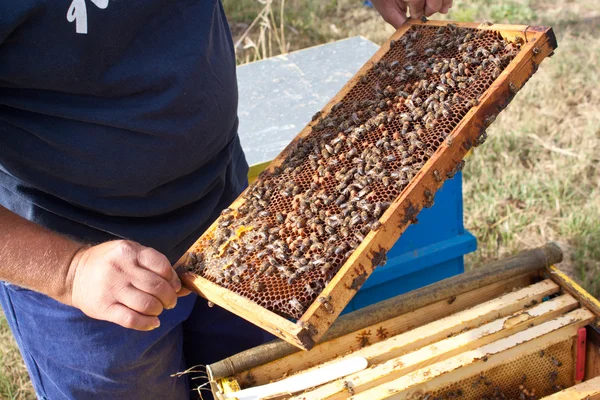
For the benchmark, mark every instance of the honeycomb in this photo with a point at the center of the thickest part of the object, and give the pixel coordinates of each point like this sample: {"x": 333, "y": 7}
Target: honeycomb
{"x": 531, "y": 376}
{"x": 301, "y": 221}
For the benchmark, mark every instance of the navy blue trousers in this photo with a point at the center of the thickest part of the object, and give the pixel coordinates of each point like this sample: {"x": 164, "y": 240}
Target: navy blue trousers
{"x": 71, "y": 356}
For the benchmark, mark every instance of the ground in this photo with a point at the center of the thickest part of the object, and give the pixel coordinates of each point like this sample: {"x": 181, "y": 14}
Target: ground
{"x": 536, "y": 179}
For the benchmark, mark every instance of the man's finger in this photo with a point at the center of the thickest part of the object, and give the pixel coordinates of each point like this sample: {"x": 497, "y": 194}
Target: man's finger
{"x": 155, "y": 285}
{"x": 393, "y": 12}
{"x": 396, "y": 16}
{"x": 416, "y": 8}
{"x": 139, "y": 301}
{"x": 432, "y": 6}
{"x": 127, "y": 318}
{"x": 160, "y": 265}
{"x": 446, "y": 4}
{"x": 183, "y": 292}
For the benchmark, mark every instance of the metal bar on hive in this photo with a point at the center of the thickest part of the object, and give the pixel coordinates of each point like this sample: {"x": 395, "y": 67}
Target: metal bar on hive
{"x": 313, "y": 322}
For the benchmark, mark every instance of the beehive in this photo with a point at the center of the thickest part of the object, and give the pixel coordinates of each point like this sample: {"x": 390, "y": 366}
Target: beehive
{"x": 517, "y": 329}
{"x": 303, "y": 238}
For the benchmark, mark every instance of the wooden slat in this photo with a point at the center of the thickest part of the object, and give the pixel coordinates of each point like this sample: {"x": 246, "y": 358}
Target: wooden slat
{"x": 250, "y": 311}
{"x": 396, "y": 219}
{"x": 485, "y": 357}
{"x": 588, "y": 390}
{"x": 429, "y": 328}
{"x": 438, "y": 351}
{"x": 575, "y": 289}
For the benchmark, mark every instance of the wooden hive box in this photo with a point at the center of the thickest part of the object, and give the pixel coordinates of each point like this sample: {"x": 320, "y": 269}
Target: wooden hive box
{"x": 446, "y": 144}
{"x": 517, "y": 328}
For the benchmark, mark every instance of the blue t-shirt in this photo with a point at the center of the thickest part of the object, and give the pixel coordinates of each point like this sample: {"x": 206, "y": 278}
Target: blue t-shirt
{"x": 118, "y": 118}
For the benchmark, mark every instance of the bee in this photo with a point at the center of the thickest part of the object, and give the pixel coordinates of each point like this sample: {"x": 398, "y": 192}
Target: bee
{"x": 333, "y": 239}
{"x": 320, "y": 230}
{"x": 349, "y": 388}
{"x": 296, "y": 305}
{"x": 407, "y": 160}
{"x": 355, "y": 220}
{"x": 379, "y": 209}
{"x": 363, "y": 338}
{"x": 467, "y": 144}
{"x": 325, "y": 268}
{"x": 556, "y": 362}
{"x": 337, "y": 106}
{"x": 344, "y": 232}
{"x": 495, "y": 47}
{"x": 489, "y": 120}
{"x": 257, "y": 286}
{"x": 364, "y": 216}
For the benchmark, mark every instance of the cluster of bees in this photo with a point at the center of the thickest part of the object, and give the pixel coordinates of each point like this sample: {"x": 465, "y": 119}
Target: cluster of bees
{"x": 301, "y": 220}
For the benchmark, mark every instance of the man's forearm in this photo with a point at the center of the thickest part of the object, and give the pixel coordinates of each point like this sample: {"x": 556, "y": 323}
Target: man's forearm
{"x": 34, "y": 257}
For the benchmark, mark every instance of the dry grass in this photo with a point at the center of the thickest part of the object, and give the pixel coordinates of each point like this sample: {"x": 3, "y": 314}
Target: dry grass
{"x": 14, "y": 381}
{"x": 536, "y": 179}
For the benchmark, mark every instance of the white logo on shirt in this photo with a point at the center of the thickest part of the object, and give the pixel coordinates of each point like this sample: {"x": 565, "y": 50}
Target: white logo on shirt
{"x": 78, "y": 13}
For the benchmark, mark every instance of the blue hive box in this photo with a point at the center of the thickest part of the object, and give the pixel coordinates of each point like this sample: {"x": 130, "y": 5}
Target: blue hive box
{"x": 427, "y": 252}
{"x": 277, "y": 98}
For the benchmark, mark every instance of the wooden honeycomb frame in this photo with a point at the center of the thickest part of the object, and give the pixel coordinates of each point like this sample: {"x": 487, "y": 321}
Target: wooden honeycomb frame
{"x": 538, "y": 43}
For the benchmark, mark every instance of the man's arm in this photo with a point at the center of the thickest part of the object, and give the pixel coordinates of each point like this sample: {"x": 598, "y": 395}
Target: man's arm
{"x": 118, "y": 281}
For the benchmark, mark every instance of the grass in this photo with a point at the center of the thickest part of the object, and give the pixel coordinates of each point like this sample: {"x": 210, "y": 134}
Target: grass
{"x": 536, "y": 179}
{"x": 14, "y": 381}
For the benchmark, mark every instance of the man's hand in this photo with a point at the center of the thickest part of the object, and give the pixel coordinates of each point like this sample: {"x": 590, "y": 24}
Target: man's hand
{"x": 125, "y": 283}
{"x": 394, "y": 12}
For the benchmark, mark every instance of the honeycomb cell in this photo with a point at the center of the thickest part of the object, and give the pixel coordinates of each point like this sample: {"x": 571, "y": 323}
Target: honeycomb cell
{"x": 304, "y": 219}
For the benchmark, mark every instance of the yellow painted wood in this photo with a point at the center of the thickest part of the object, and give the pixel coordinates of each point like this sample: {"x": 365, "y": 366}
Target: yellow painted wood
{"x": 573, "y": 286}
{"x": 229, "y": 385}
{"x": 256, "y": 169}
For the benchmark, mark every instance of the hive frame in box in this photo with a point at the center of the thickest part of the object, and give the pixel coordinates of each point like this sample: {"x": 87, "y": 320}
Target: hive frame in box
{"x": 538, "y": 42}
{"x": 527, "y": 276}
